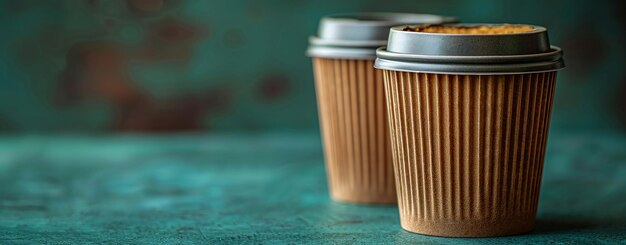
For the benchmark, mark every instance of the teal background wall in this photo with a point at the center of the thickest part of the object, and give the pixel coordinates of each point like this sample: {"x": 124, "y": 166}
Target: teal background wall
{"x": 239, "y": 65}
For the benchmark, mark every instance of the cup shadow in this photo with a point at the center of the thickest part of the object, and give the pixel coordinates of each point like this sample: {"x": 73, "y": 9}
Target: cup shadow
{"x": 552, "y": 226}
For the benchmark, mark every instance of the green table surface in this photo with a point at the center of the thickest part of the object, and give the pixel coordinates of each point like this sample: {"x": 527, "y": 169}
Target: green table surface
{"x": 261, "y": 188}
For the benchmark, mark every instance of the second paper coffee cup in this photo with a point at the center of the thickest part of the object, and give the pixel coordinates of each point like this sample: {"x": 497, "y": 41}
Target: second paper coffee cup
{"x": 351, "y": 103}
{"x": 469, "y": 111}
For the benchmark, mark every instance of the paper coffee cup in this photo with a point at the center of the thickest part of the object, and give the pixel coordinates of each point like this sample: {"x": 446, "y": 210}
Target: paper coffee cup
{"x": 469, "y": 117}
{"x": 351, "y": 103}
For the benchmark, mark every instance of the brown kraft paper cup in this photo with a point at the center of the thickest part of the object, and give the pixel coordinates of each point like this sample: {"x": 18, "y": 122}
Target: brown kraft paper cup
{"x": 351, "y": 103}
{"x": 353, "y": 119}
{"x": 468, "y": 148}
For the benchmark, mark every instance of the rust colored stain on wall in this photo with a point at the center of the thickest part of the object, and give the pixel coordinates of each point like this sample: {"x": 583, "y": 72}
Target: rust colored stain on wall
{"x": 273, "y": 86}
{"x": 240, "y": 65}
{"x": 101, "y": 70}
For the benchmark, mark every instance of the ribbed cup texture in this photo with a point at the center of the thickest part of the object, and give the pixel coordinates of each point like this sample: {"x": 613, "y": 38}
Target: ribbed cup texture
{"x": 353, "y": 118}
{"x": 468, "y": 150}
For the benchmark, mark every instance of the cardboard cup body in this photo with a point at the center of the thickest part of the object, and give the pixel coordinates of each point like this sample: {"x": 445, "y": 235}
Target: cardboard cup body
{"x": 468, "y": 150}
{"x": 351, "y": 102}
{"x": 353, "y": 119}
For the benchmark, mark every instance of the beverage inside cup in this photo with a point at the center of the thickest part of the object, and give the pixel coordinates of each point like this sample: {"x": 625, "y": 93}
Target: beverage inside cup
{"x": 475, "y": 30}
{"x": 351, "y": 102}
{"x": 469, "y": 110}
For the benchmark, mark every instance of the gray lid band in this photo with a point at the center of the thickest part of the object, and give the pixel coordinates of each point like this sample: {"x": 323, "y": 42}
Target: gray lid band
{"x": 342, "y": 52}
{"x": 554, "y": 53}
{"x": 358, "y": 32}
{"x": 468, "y": 44}
{"x": 469, "y": 53}
{"x": 472, "y": 69}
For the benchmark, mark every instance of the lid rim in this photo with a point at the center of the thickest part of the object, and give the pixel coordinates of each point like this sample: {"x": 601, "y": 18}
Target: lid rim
{"x": 341, "y": 53}
{"x": 394, "y": 18}
{"x": 368, "y": 29}
{"x": 317, "y": 41}
{"x": 478, "y": 69}
{"x": 446, "y": 44}
{"x": 508, "y": 53}
{"x": 555, "y": 53}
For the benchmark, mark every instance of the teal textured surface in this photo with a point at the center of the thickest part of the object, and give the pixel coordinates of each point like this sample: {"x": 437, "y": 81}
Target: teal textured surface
{"x": 266, "y": 188}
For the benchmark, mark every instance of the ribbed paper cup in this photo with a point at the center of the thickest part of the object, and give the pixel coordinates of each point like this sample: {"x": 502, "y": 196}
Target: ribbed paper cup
{"x": 469, "y": 150}
{"x": 351, "y": 102}
{"x": 468, "y": 139}
{"x": 353, "y": 119}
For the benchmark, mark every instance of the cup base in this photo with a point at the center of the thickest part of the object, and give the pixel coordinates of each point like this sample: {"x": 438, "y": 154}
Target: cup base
{"x": 471, "y": 228}
{"x": 368, "y": 198}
